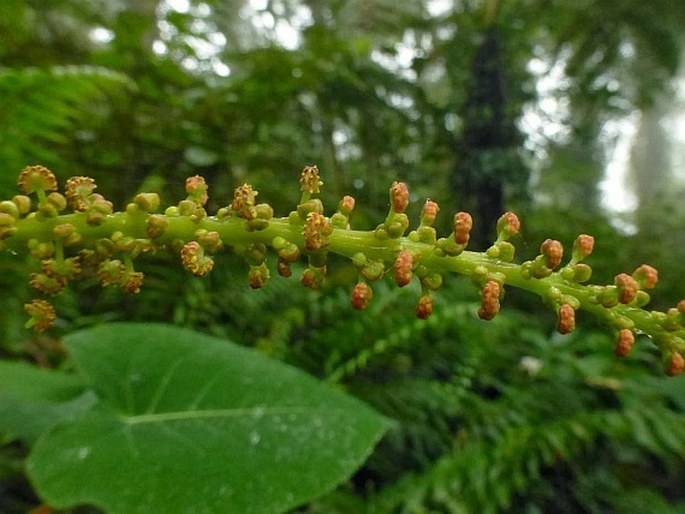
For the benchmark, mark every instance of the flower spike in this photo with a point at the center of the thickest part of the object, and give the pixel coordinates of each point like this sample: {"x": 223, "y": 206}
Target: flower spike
{"x": 80, "y": 234}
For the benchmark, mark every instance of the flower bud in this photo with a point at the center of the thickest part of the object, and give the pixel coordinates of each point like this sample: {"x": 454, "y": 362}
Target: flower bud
{"x": 210, "y": 240}
{"x": 64, "y": 230}
{"x": 361, "y": 295}
{"x": 263, "y": 214}
{"x": 46, "y": 210}
{"x": 156, "y": 225}
{"x": 403, "y": 268}
{"x": 676, "y": 364}
{"x": 244, "y": 198}
{"x": 42, "y": 315}
{"x": 58, "y": 201}
{"x": 289, "y": 252}
{"x": 194, "y": 259}
{"x": 309, "y": 180}
{"x": 9, "y": 208}
{"x": 566, "y": 322}
{"x": 78, "y": 191}
{"x": 425, "y": 307}
{"x": 313, "y": 277}
{"x": 317, "y": 228}
{"x": 582, "y": 247}
{"x": 48, "y": 284}
{"x": 41, "y": 250}
{"x": 147, "y": 202}
{"x": 396, "y": 227}
{"x": 111, "y": 272}
{"x": 346, "y": 205}
{"x": 131, "y": 282}
{"x": 553, "y": 252}
{"x": 373, "y": 270}
{"x": 508, "y": 225}
{"x": 646, "y": 276}
{"x": 432, "y": 280}
{"x": 429, "y": 213}
{"x": 624, "y": 342}
{"x": 23, "y": 203}
{"x": 490, "y": 304}
{"x": 7, "y": 220}
{"x": 463, "y": 223}
{"x": 627, "y": 287}
{"x": 399, "y": 197}
{"x": 196, "y": 187}
{"x": 258, "y": 276}
{"x": 36, "y": 178}
{"x": 283, "y": 268}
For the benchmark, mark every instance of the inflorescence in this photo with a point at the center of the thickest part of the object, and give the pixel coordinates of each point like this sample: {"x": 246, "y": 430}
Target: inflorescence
{"x": 78, "y": 233}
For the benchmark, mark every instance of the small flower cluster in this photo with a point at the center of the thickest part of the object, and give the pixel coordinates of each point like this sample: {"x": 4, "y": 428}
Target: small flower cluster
{"x": 78, "y": 234}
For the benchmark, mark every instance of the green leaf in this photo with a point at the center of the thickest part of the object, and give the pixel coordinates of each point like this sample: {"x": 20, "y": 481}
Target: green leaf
{"x": 32, "y": 400}
{"x": 191, "y": 423}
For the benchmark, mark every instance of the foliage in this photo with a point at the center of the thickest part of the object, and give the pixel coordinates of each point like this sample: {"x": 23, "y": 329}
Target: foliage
{"x": 143, "y": 93}
{"x": 41, "y": 108}
{"x": 172, "y": 406}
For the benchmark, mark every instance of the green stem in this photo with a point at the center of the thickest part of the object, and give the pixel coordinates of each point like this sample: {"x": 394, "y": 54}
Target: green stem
{"x": 345, "y": 242}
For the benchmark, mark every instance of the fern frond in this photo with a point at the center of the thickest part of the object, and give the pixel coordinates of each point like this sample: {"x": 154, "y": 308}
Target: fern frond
{"x": 40, "y": 108}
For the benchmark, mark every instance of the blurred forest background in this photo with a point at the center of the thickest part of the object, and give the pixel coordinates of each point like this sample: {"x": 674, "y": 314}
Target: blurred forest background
{"x": 570, "y": 112}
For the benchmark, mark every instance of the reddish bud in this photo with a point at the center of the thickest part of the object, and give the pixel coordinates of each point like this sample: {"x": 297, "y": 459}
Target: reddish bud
{"x": 681, "y": 307}
{"x": 646, "y": 276}
{"x": 425, "y": 307}
{"x": 42, "y": 315}
{"x": 627, "y": 287}
{"x": 508, "y": 225}
{"x": 429, "y": 213}
{"x": 403, "y": 268}
{"x": 566, "y": 319}
{"x": 36, "y": 178}
{"x": 196, "y": 187}
{"x": 553, "y": 251}
{"x": 361, "y": 296}
{"x": 346, "y": 205}
{"x": 624, "y": 342}
{"x": 676, "y": 364}
{"x": 309, "y": 180}
{"x": 463, "y": 223}
{"x": 283, "y": 268}
{"x": 399, "y": 197}
{"x": 583, "y": 246}
{"x": 490, "y": 304}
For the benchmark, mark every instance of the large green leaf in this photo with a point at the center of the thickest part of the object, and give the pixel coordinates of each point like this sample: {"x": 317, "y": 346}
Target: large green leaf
{"x": 190, "y": 423}
{"x": 33, "y": 399}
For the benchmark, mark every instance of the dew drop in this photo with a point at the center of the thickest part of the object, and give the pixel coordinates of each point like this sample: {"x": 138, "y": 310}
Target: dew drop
{"x": 255, "y": 438}
{"x": 82, "y": 452}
